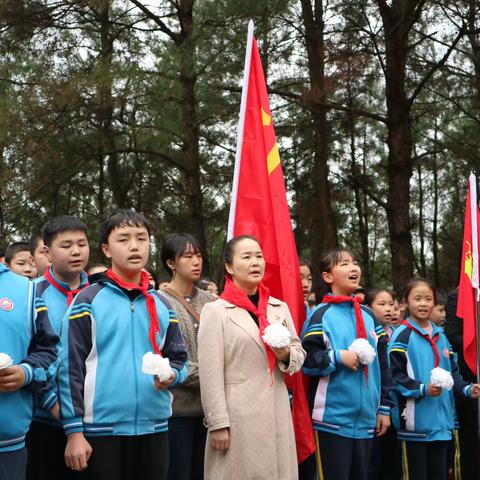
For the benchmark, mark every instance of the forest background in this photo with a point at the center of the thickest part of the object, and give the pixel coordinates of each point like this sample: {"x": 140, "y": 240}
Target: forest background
{"x": 109, "y": 104}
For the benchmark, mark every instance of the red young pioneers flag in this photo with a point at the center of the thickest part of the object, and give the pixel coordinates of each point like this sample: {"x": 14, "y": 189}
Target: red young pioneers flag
{"x": 259, "y": 208}
{"x": 469, "y": 281}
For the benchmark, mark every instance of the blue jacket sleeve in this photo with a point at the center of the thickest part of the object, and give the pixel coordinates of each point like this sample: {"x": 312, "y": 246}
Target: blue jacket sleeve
{"x": 319, "y": 361}
{"x": 174, "y": 349}
{"x": 41, "y": 362}
{"x": 386, "y": 402}
{"x": 76, "y": 344}
{"x": 405, "y": 385}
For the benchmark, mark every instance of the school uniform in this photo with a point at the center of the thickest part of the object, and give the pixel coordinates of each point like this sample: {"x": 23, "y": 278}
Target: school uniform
{"x": 46, "y": 440}
{"x": 103, "y": 391}
{"x": 424, "y": 423}
{"x": 386, "y": 459}
{"x": 27, "y": 336}
{"x": 343, "y": 402}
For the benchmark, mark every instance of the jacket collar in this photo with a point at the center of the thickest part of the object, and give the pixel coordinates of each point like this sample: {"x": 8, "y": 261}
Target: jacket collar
{"x": 417, "y": 327}
{"x": 271, "y": 301}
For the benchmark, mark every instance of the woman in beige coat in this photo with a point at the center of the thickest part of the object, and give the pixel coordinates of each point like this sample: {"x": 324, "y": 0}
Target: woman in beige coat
{"x": 244, "y": 398}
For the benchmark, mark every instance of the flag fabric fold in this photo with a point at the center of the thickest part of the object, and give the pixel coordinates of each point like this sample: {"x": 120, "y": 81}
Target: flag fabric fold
{"x": 259, "y": 207}
{"x": 469, "y": 277}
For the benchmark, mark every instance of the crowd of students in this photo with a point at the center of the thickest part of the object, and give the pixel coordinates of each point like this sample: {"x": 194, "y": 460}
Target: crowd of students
{"x": 75, "y": 401}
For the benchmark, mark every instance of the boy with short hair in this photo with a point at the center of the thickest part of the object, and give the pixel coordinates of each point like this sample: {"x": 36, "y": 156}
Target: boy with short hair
{"x": 66, "y": 244}
{"x": 439, "y": 314}
{"x": 28, "y": 343}
{"x": 108, "y": 405}
{"x": 19, "y": 260}
{"x": 39, "y": 253}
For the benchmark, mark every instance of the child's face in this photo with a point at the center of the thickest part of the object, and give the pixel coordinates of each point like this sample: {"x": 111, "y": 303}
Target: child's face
{"x": 189, "y": 265}
{"x": 306, "y": 277}
{"x": 344, "y": 277}
{"x": 128, "y": 248}
{"x": 420, "y": 303}
{"x": 40, "y": 257}
{"x": 382, "y": 307}
{"x": 438, "y": 315}
{"x": 22, "y": 264}
{"x": 213, "y": 289}
{"x": 69, "y": 252}
{"x": 396, "y": 315}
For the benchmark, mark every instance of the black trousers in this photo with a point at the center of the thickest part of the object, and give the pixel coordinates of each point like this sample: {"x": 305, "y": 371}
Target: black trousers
{"x": 467, "y": 411}
{"x": 142, "y": 457}
{"x": 341, "y": 458}
{"x": 386, "y": 459}
{"x": 46, "y": 450}
{"x": 426, "y": 460}
{"x": 187, "y": 436}
{"x": 13, "y": 465}
{"x": 307, "y": 470}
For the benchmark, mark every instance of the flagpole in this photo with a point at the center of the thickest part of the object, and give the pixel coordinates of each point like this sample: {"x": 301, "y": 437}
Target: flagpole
{"x": 241, "y": 123}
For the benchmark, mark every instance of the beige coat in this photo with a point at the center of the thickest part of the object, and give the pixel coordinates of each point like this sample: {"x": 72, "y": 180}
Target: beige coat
{"x": 237, "y": 392}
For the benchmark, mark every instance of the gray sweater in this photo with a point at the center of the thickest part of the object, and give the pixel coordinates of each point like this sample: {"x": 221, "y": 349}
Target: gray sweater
{"x": 186, "y": 397}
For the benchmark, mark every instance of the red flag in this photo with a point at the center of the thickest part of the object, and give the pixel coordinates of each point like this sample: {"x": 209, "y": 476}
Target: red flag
{"x": 468, "y": 286}
{"x": 259, "y": 208}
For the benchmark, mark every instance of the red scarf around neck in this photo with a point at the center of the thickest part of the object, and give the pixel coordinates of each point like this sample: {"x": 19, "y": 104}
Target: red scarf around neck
{"x": 70, "y": 294}
{"x": 239, "y": 298}
{"x": 428, "y": 338}
{"x": 359, "y": 323}
{"x": 143, "y": 287}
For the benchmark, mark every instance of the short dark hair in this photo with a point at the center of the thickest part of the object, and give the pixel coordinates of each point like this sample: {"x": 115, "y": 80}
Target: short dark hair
{"x": 203, "y": 283}
{"x": 413, "y": 282}
{"x": 15, "y": 248}
{"x": 122, "y": 218}
{"x": 175, "y": 246}
{"x": 60, "y": 224}
{"x": 332, "y": 258}
{"x": 440, "y": 297}
{"x": 151, "y": 271}
{"x": 230, "y": 247}
{"x": 329, "y": 260}
{"x": 34, "y": 241}
{"x": 372, "y": 294}
{"x": 303, "y": 263}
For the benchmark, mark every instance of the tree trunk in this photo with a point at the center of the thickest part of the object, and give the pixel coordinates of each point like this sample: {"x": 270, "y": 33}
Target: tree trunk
{"x": 105, "y": 109}
{"x": 323, "y": 232}
{"x": 398, "y": 20}
{"x": 421, "y": 220}
{"x": 190, "y": 134}
{"x": 357, "y": 192}
{"x": 436, "y": 270}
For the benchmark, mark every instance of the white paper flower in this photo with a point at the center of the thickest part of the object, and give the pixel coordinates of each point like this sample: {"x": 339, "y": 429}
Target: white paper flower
{"x": 153, "y": 364}
{"x": 366, "y": 353}
{"x": 5, "y": 360}
{"x": 277, "y": 335}
{"x": 441, "y": 378}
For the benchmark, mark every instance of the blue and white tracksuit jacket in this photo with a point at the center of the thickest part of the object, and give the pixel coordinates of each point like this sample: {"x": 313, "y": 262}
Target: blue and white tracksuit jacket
{"x": 103, "y": 390}
{"x": 340, "y": 399}
{"x": 56, "y": 303}
{"x": 416, "y": 416}
{"x": 27, "y": 336}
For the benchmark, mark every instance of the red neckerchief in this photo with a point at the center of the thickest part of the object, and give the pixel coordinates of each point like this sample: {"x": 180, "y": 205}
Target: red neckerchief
{"x": 68, "y": 293}
{"x": 238, "y": 297}
{"x": 359, "y": 323}
{"x": 151, "y": 307}
{"x": 432, "y": 341}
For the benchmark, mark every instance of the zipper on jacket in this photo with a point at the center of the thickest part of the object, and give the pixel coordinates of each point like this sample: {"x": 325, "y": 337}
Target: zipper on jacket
{"x": 132, "y": 329}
